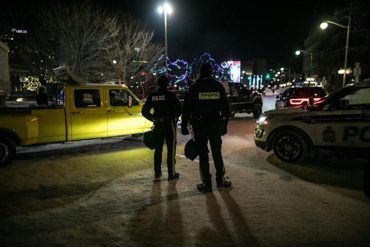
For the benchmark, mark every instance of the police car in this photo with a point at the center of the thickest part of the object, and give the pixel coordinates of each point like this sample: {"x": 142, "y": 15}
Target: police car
{"x": 341, "y": 120}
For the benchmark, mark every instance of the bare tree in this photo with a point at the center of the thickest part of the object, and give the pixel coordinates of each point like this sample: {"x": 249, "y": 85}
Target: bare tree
{"x": 82, "y": 33}
{"x": 94, "y": 43}
{"x": 132, "y": 50}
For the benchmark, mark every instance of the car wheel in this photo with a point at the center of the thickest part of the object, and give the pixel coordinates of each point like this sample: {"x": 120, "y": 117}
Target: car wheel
{"x": 232, "y": 114}
{"x": 257, "y": 110}
{"x": 290, "y": 146}
{"x": 7, "y": 151}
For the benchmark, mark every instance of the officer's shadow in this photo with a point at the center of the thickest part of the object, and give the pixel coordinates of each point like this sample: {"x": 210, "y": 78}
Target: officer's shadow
{"x": 158, "y": 222}
{"x": 244, "y": 235}
{"x": 174, "y": 225}
{"x": 220, "y": 234}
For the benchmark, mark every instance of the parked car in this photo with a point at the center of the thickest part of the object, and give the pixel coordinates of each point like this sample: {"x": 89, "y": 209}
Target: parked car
{"x": 341, "y": 121}
{"x": 243, "y": 100}
{"x": 299, "y": 97}
{"x": 280, "y": 98}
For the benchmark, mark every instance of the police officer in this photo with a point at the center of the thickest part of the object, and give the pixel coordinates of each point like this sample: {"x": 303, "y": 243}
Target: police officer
{"x": 207, "y": 109}
{"x": 167, "y": 109}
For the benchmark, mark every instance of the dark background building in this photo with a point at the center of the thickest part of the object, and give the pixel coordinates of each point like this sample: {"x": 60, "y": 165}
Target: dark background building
{"x": 328, "y": 46}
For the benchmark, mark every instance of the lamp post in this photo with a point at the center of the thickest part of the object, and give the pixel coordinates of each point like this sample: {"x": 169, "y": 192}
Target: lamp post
{"x": 298, "y": 52}
{"x": 165, "y": 9}
{"x": 325, "y": 24}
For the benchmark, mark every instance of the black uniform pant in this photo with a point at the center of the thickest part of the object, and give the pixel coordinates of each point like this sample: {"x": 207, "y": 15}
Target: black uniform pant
{"x": 204, "y": 131}
{"x": 166, "y": 130}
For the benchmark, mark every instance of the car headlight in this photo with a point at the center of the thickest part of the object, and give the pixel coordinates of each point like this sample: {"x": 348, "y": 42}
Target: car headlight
{"x": 262, "y": 120}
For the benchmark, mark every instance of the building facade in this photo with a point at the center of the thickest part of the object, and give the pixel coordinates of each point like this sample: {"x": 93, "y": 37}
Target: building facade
{"x": 4, "y": 68}
{"x": 328, "y": 47}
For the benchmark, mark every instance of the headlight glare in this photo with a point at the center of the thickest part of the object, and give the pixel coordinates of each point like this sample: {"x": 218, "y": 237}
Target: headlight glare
{"x": 262, "y": 120}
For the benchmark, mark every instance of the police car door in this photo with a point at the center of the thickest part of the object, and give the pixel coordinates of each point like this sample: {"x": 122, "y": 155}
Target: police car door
{"x": 345, "y": 121}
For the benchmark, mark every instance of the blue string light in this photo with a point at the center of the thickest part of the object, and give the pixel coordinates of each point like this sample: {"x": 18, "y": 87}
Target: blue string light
{"x": 180, "y": 71}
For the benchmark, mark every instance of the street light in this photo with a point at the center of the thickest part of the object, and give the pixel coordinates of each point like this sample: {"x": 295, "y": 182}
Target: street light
{"x": 165, "y": 9}
{"x": 325, "y": 24}
{"x": 298, "y": 52}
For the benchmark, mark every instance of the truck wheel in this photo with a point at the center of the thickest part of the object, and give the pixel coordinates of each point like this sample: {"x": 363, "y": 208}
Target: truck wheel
{"x": 7, "y": 151}
{"x": 257, "y": 110}
{"x": 290, "y": 146}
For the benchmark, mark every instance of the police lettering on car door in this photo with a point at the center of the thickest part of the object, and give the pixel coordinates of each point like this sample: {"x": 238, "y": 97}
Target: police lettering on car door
{"x": 363, "y": 134}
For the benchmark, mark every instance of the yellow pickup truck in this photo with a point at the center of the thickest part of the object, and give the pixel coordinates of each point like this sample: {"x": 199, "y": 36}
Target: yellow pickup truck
{"x": 80, "y": 112}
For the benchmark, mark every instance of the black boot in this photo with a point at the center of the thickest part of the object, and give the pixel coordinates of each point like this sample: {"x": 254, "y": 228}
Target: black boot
{"x": 223, "y": 183}
{"x": 176, "y": 175}
{"x": 206, "y": 186}
{"x": 157, "y": 176}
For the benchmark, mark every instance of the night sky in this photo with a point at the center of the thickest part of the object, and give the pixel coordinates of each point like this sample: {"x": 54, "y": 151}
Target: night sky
{"x": 226, "y": 29}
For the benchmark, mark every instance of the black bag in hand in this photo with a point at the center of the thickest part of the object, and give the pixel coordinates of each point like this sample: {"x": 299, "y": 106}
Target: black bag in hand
{"x": 150, "y": 139}
{"x": 191, "y": 150}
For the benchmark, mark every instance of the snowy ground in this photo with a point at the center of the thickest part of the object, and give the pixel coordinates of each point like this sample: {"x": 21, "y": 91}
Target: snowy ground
{"x": 102, "y": 193}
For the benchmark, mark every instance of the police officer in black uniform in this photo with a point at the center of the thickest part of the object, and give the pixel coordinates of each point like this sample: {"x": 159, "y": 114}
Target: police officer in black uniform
{"x": 207, "y": 109}
{"x": 167, "y": 109}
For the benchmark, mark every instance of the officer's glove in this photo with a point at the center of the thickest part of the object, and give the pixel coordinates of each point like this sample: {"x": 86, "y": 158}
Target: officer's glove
{"x": 223, "y": 127}
{"x": 223, "y": 130}
{"x": 184, "y": 131}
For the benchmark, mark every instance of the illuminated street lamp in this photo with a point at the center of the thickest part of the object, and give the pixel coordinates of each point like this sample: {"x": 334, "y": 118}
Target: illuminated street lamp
{"x": 165, "y": 9}
{"x": 298, "y": 52}
{"x": 325, "y": 24}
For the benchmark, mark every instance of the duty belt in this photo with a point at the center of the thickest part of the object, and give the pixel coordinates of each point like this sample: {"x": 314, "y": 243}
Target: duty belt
{"x": 164, "y": 119}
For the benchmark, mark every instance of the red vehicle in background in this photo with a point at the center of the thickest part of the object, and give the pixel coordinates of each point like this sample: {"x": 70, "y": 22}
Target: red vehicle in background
{"x": 299, "y": 97}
